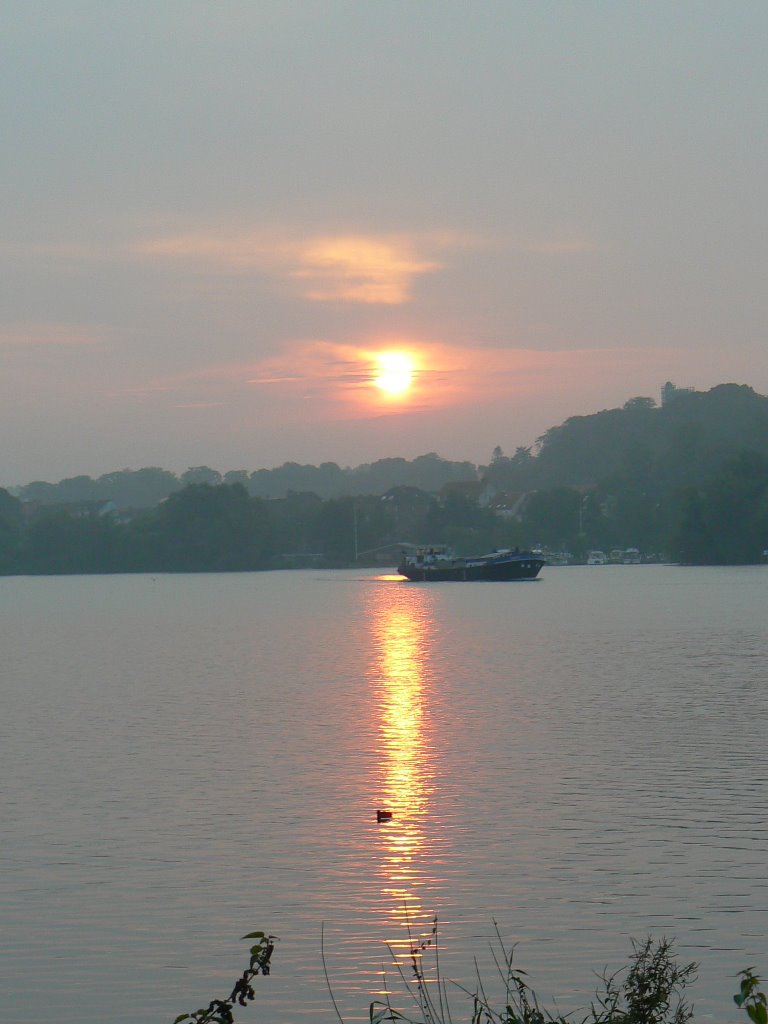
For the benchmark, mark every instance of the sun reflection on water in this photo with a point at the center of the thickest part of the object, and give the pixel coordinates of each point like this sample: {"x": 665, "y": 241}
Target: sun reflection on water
{"x": 403, "y": 632}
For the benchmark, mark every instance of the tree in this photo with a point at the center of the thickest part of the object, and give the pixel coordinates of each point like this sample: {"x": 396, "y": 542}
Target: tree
{"x": 205, "y": 528}
{"x": 333, "y": 531}
{"x": 39, "y": 491}
{"x": 726, "y": 522}
{"x": 201, "y": 475}
{"x": 236, "y": 476}
{"x": 640, "y": 403}
{"x": 77, "y": 489}
{"x": 408, "y": 507}
{"x": 10, "y": 530}
{"x": 138, "y": 488}
{"x": 57, "y": 542}
{"x": 555, "y": 517}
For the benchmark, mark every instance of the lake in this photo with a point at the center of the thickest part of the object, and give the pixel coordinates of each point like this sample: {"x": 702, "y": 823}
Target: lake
{"x": 184, "y": 759}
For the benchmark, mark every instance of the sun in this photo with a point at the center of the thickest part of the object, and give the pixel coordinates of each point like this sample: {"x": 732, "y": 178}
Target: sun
{"x": 395, "y": 373}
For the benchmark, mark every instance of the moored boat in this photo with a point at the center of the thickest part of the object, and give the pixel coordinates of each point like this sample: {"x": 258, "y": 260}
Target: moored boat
{"x": 440, "y": 564}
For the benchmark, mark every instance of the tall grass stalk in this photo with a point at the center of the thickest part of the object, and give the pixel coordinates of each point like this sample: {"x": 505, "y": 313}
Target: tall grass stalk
{"x": 649, "y": 990}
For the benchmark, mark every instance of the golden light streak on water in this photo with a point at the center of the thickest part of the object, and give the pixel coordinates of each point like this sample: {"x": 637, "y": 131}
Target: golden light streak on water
{"x": 401, "y": 628}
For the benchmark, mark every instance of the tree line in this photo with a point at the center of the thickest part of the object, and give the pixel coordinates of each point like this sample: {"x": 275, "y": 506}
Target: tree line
{"x": 220, "y": 528}
{"x": 147, "y": 487}
{"x": 207, "y": 527}
{"x": 687, "y": 481}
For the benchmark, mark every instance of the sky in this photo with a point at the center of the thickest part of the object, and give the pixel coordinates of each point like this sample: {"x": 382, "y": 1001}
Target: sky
{"x": 219, "y": 216}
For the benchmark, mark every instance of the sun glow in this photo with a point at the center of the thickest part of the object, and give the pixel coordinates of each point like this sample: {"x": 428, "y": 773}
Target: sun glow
{"x": 395, "y": 373}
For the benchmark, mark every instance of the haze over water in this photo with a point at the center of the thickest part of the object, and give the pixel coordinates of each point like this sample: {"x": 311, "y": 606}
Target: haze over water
{"x": 185, "y": 759}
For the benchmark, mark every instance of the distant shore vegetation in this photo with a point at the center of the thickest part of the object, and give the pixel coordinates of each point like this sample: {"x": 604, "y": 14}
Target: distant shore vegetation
{"x": 686, "y": 481}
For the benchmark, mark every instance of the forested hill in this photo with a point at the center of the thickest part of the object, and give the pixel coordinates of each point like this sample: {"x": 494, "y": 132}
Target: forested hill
{"x": 674, "y": 445}
{"x": 677, "y": 444}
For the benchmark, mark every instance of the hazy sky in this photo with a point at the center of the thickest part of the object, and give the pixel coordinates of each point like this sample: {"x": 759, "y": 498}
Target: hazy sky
{"x": 217, "y": 214}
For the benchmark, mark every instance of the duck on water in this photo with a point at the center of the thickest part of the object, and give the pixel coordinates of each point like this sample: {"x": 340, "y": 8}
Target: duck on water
{"x": 438, "y": 563}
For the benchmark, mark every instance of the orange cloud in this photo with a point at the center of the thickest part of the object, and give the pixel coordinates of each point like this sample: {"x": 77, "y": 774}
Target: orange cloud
{"x": 220, "y": 252}
{"x": 198, "y": 405}
{"x": 357, "y": 268}
{"x": 32, "y": 335}
{"x": 360, "y": 268}
{"x": 343, "y": 375}
{"x": 445, "y": 375}
{"x": 320, "y": 381}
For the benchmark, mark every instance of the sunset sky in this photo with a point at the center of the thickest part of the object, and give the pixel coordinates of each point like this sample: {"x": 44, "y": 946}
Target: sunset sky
{"x": 219, "y": 215}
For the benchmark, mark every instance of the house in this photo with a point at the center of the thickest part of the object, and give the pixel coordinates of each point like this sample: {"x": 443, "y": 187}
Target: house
{"x": 508, "y": 504}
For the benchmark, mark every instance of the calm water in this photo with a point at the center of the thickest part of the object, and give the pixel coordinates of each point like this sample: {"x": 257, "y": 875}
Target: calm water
{"x": 184, "y": 759}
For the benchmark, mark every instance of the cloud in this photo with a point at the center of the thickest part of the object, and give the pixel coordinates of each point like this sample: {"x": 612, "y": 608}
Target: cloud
{"x": 241, "y": 253}
{"x": 146, "y": 389}
{"x": 198, "y": 405}
{"x": 318, "y": 392}
{"x": 329, "y": 371}
{"x": 340, "y": 377}
{"x": 35, "y": 335}
{"x": 358, "y": 268}
{"x": 288, "y": 379}
{"x": 344, "y": 268}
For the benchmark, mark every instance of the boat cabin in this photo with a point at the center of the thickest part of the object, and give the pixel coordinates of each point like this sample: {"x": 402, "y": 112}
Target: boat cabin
{"x": 429, "y": 555}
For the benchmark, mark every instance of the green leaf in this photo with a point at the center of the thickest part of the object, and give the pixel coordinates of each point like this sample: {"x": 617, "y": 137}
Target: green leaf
{"x": 739, "y": 999}
{"x": 254, "y": 935}
{"x": 183, "y": 1016}
{"x": 758, "y": 1013}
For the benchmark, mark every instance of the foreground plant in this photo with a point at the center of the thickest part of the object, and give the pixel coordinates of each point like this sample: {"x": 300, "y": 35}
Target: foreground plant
{"x": 648, "y": 991}
{"x": 751, "y": 998}
{"x": 221, "y": 1011}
